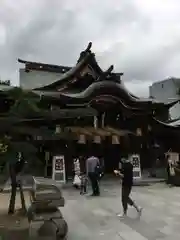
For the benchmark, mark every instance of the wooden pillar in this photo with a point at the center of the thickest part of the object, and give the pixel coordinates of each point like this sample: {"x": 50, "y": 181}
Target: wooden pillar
{"x": 102, "y": 120}
{"x": 47, "y": 158}
{"x": 95, "y": 123}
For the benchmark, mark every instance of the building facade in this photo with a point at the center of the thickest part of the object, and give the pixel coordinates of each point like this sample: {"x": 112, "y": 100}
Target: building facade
{"x": 167, "y": 91}
{"x": 35, "y": 78}
{"x": 36, "y": 75}
{"x": 123, "y": 123}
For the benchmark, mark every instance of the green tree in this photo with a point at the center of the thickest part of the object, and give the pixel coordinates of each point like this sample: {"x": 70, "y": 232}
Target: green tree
{"x": 17, "y": 132}
{"x": 16, "y": 148}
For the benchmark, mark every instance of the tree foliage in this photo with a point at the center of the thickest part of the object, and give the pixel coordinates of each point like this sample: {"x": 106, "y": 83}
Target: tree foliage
{"x": 16, "y": 147}
{"x": 24, "y": 107}
{"x": 25, "y": 103}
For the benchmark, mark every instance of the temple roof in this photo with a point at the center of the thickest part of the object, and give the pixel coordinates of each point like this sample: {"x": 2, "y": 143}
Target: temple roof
{"x": 44, "y": 67}
{"x": 103, "y": 91}
{"x": 86, "y": 65}
{"x": 162, "y": 126}
{"x": 103, "y": 88}
{"x": 69, "y": 75}
{"x": 175, "y": 122}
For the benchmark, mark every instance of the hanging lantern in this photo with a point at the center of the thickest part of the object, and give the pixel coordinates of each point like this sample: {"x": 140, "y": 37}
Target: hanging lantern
{"x": 115, "y": 139}
{"x": 97, "y": 139}
{"x": 149, "y": 128}
{"x": 138, "y": 132}
{"x": 82, "y": 139}
{"x": 39, "y": 138}
{"x": 58, "y": 129}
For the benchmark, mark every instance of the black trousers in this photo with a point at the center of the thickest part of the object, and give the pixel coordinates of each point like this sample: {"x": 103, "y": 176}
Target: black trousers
{"x": 170, "y": 178}
{"x": 94, "y": 183}
{"x": 83, "y": 189}
{"x": 126, "y": 190}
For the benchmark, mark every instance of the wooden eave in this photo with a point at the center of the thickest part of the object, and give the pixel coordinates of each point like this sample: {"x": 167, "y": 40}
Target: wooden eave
{"x": 69, "y": 113}
{"x": 44, "y": 134}
{"x": 98, "y": 131}
{"x": 80, "y": 131}
{"x": 89, "y": 131}
{"x": 47, "y": 117}
{"x": 117, "y": 132}
{"x": 102, "y": 132}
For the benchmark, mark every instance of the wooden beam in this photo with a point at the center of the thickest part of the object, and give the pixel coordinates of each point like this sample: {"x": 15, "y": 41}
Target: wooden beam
{"x": 80, "y": 131}
{"x": 98, "y": 131}
{"x": 117, "y": 132}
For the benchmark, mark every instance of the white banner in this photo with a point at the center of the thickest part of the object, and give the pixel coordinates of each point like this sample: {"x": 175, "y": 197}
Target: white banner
{"x": 135, "y": 160}
{"x": 58, "y": 171}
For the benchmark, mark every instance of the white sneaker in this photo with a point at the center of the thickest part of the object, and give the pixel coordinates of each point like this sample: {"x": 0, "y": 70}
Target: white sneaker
{"x": 122, "y": 215}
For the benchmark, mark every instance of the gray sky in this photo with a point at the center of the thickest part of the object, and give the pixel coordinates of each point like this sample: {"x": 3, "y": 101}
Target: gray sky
{"x": 140, "y": 37}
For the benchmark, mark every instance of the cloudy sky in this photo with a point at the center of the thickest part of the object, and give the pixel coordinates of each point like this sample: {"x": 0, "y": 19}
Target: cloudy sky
{"x": 140, "y": 37}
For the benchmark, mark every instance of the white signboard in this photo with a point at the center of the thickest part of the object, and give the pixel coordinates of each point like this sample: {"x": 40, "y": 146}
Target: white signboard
{"x": 135, "y": 160}
{"x": 59, "y": 173}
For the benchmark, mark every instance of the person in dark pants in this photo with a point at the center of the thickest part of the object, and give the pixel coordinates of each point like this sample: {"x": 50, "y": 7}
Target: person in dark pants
{"x": 91, "y": 168}
{"x": 126, "y": 174}
{"x": 84, "y": 182}
{"x": 170, "y": 171}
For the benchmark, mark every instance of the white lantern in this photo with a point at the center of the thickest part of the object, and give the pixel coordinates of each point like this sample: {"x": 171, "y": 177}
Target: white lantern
{"x": 138, "y": 132}
{"x": 115, "y": 139}
{"x": 39, "y": 138}
{"x": 97, "y": 139}
{"x": 82, "y": 139}
{"x": 58, "y": 129}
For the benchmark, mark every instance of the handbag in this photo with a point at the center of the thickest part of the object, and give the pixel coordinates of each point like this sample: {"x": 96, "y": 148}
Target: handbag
{"x": 77, "y": 181}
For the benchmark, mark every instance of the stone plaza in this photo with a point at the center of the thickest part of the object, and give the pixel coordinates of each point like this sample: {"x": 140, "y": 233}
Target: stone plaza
{"x": 96, "y": 217}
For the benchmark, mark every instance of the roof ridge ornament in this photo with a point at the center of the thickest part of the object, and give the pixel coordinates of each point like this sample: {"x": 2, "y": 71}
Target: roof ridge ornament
{"x": 110, "y": 69}
{"x": 88, "y": 47}
{"x": 104, "y": 75}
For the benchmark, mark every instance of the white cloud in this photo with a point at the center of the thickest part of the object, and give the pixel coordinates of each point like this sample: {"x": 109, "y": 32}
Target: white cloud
{"x": 141, "y": 38}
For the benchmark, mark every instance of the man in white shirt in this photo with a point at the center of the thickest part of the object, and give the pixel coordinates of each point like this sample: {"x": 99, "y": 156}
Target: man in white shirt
{"x": 91, "y": 169}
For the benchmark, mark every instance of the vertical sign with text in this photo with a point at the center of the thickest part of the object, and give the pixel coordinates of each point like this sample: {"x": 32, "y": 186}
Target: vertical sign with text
{"x": 135, "y": 159}
{"x": 59, "y": 173}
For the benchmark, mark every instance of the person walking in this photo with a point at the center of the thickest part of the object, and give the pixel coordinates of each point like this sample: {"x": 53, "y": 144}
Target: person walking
{"x": 170, "y": 171}
{"x": 126, "y": 173}
{"x": 92, "y": 164}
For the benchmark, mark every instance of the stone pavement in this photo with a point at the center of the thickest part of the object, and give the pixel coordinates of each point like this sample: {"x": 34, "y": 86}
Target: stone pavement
{"x": 95, "y": 218}
{"x": 13, "y": 227}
